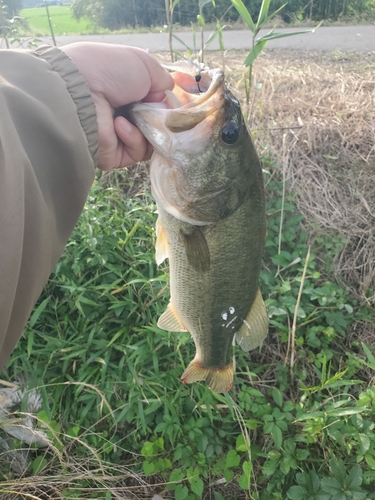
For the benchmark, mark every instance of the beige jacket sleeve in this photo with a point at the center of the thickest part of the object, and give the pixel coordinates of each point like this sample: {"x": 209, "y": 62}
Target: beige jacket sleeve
{"x": 48, "y": 142}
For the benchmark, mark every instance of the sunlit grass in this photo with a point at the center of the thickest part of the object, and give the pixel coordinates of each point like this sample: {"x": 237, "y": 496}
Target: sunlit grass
{"x": 63, "y": 22}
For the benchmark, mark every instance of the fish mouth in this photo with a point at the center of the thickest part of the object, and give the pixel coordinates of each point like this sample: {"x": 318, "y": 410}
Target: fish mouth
{"x": 186, "y": 116}
{"x": 179, "y": 128}
{"x": 187, "y": 108}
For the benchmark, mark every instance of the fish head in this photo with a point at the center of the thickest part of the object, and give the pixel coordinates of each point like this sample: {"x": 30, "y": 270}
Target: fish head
{"x": 199, "y": 169}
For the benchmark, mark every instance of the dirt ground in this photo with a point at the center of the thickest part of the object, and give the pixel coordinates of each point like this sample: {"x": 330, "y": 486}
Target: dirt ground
{"x": 313, "y": 115}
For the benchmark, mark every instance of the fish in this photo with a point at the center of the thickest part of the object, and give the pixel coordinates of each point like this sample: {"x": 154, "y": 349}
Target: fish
{"x": 206, "y": 179}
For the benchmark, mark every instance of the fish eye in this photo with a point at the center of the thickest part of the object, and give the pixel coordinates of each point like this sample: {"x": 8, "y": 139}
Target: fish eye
{"x": 230, "y": 133}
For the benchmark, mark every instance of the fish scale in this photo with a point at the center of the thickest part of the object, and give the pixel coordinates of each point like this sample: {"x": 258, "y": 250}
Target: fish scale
{"x": 207, "y": 182}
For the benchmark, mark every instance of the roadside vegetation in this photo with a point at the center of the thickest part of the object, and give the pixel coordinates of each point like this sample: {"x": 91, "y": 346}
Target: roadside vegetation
{"x": 114, "y": 14}
{"x": 299, "y": 421}
{"x": 62, "y": 21}
{"x": 105, "y": 16}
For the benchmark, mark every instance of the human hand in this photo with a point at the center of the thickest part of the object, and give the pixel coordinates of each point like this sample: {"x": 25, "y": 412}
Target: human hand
{"x": 118, "y": 75}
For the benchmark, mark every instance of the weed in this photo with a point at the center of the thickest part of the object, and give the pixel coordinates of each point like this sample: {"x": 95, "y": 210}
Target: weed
{"x": 258, "y": 44}
{"x": 108, "y": 376}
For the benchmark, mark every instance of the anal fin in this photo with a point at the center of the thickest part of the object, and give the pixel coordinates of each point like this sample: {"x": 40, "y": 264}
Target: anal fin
{"x": 170, "y": 321}
{"x": 217, "y": 379}
{"x": 255, "y": 327}
{"x": 161, "y": 247}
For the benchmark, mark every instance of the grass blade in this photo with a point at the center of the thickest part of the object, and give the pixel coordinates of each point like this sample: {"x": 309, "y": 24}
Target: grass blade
{"x": 183, "y": 43}
{"x": 245, "y": 14}
{"x": 263, "y": 13}
{"x": 219, "y": 29}
{"x": 254, "y": 52}
{"x": 273, "y": 36}
{"x": 38, "y": 311}
{"x": 211, "y": 39}
{"x": 271, "y": 16}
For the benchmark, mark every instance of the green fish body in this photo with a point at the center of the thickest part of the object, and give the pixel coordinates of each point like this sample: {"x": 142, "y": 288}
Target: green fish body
{"x": 207, "y": 182}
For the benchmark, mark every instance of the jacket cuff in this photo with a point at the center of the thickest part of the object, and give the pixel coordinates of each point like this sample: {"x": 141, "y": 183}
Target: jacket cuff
{"x": 79, "y": 92}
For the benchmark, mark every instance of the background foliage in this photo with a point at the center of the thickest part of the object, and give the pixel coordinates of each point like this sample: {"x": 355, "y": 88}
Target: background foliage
{"x": 299, "y": 421}
{"x": 12, "y": 7}
{"x": 109, "y": 377}
{"x": 114, "y": 14}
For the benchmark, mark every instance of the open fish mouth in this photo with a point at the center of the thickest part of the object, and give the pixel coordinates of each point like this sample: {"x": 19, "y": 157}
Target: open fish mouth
{"x": 187, "y": 115}
{"x": 184, "y": 125}
{"x": 187, "y": 107}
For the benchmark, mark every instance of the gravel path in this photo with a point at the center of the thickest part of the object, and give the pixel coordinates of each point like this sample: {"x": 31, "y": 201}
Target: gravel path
{"x": 330, "y": 38}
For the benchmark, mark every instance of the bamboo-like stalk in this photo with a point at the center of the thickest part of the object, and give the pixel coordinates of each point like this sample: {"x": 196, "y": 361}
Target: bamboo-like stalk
{"x": 202, "y": 35}
{"x": 3, "y": 26}
{"x": 50, "y": 23}
{"x": 170, "y": 29}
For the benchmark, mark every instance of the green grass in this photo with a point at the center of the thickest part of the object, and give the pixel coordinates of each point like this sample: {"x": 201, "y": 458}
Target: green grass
{"x": 109, "y": 377}
{"x": 62, "y": 21}
{"x": 64, "y": 24}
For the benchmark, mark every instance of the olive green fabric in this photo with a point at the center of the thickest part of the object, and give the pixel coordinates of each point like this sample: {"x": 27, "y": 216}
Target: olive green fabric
{"x": 48, "y": 143}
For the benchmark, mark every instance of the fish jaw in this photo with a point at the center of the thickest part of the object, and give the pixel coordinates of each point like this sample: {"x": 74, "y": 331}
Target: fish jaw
{"x": 219, "y": 380}
{"x": 182, "y": 138}
{"x": 178, "y": 130}
{"x": 170, "y": 190}
{"x": 197, "y": 174}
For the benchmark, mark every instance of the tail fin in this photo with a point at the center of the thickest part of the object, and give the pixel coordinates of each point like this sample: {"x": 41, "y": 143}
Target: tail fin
{"x": 217, "y": 379}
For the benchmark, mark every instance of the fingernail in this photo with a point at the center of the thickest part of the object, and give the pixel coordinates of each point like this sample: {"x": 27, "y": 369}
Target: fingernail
{"x": 126, "y": 126}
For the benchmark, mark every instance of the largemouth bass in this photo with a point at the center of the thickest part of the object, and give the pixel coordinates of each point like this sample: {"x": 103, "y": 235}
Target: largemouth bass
{"x": 207, "y": 182}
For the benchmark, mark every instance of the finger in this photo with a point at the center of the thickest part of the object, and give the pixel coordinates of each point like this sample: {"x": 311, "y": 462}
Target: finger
{"x": 160, "y": 78}
{"x": 119, "y": 73}
{"x": 136, "y": 75}
{"x": 135, "y": 147}
{"x": 156, "y": 96}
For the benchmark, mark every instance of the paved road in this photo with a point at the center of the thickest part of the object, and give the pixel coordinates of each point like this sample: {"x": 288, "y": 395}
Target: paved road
{"x": 343, "y": 38}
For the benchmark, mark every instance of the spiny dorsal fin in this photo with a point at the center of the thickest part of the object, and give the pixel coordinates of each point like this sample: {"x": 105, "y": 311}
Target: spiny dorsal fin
{"x": 255, "y": 327}
{"x": 196, "y": 248}
{"x": 170, "y": 321}
{"x": 161, "y": 246}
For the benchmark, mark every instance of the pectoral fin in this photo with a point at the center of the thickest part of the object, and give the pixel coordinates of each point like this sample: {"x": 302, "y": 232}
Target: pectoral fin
{"x": 170, "y": 321}
{"x": 196, "y": 248}
{"x": 161, "y": 247}
{"x": 255, "y": 327}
